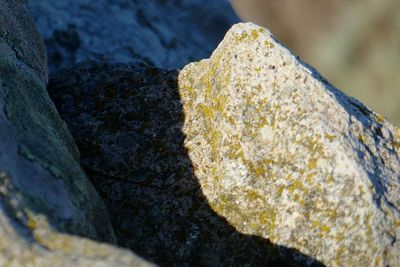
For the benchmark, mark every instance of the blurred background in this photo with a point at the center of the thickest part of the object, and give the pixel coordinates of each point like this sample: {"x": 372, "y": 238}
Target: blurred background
{"x": 355, "y": 44}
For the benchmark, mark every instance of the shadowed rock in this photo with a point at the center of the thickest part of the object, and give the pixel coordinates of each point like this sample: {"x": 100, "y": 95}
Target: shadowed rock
{"x": 127, "y": 122}
{"x": 43, "y": 190}
{"x": 165, "y": 33}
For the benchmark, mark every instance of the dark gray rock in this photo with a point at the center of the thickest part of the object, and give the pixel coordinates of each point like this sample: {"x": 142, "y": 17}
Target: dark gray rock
{"x": 43, "y": 191}
{"x": 38, "y": 151}
{"x": 127, "y": 122}
{"x": 165, "y": 33}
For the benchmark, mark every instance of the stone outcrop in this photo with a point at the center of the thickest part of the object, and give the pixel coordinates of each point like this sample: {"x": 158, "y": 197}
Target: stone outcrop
{"x": 44, "y": 194}
{"x": 249, "y": 158}
{"x": 127, "y": 122}
{"x": 282, "y": 154}
{"x": 166, "y": 33}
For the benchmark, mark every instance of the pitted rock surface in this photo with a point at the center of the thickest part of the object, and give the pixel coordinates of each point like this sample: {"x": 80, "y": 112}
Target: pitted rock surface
{"x": 282, "y": 154}
{"x": 127, "y": 122}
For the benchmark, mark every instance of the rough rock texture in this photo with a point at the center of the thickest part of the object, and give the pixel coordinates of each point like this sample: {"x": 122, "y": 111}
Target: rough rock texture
{"x": 127, "y": 122}
{"x": 356, "y": 44}
{"x": 282, "y": 154}
{"x": 166, "y": 33}
{"x": 28, "y": 240}
{"x": 42, "y": 187}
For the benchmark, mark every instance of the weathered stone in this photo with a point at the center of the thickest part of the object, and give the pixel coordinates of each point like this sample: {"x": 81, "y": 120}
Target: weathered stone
{"x": 282, "y": 154}
{"x": 127, "y": 122}
{"x": 166, "y": 33}
{"x": 354, "y": 43}
{"x": 28, "y": 240}
{"x": 44, "y": 194}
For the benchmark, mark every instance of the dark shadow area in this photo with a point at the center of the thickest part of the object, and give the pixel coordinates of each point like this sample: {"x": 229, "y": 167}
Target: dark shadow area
{"x": 127, "y": 120}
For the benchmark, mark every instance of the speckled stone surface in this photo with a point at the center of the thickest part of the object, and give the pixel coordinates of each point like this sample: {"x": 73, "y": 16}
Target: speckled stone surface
{"x": 282, "y": 154}
{"x": 165, "y": 33}
{"x": 127, "y": 122}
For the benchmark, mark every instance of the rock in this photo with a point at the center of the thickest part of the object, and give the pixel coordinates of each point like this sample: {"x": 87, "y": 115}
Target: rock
{"x": 282, "y": 154}
{"x": 28, "y": 240}
{"x": 127, "y": 122}
{"x": 166, "y": 33}
{"x": 44, "y": 194}
{"x": 353, "y": 43}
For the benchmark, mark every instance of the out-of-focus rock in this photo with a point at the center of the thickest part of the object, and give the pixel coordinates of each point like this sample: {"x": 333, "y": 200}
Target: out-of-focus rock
{"x": 165, "y": 33}
{"x": 127, "y": 122}
{"x": 28, "y": 240}
{"x": 356, "y": 44}
{"x": 44, "y": 194}
{"x": 282, "y": 154}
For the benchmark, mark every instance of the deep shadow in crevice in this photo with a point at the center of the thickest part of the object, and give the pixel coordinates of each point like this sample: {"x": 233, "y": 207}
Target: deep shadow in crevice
{"x": 127, "y": 121}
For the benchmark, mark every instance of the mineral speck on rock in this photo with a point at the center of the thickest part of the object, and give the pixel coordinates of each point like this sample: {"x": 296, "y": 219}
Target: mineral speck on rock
{"x": 282, "y": 154}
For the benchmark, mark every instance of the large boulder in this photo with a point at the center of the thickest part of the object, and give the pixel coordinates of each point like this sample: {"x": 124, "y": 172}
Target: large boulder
{"x": 165, "y": 33}
{"x": 44, "y": 194}
{"x": 282, "y": 154}
{"x": 127, "y": 122}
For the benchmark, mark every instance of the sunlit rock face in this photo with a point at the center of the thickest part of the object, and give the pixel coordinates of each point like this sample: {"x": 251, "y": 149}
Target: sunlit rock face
{"x": 44, "y": 194}
{"x": 165, "y": 33}
{"x": 127, "y": 120}
{"x": 355, "y": 44}
{"x": 282, "y": 154}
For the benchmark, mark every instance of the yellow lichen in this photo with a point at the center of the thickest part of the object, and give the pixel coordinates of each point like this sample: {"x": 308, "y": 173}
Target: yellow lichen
{"x": 252, "y": 195}
{"x": 254, "y": 34}
{"x": 380, "y": 118}
{"x": 312, "y": 163}
{"x": 241, "y": 37}
{"x": 31, "y": 223}
{"x": 325, "y": 228}
{"x": 268, "y": 44}
{"x": 294, "y": 186}
{"x": 397, "y": 133}
{"x": 310, "y": 177}
{"x": 361, "y": 138}
{"x": 280, "y": 191}
{"x": 330, "y": 179}
{"x": 330, "y": 137}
